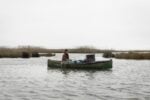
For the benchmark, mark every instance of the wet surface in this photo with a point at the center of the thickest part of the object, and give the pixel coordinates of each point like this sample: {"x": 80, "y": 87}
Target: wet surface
{"x": 30, "y": 79}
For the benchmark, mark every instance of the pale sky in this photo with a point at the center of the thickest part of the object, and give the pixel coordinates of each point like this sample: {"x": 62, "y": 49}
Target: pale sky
{"x": 110, "y": 24}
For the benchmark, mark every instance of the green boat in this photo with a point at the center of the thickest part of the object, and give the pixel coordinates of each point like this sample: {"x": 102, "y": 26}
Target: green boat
{"x": 92, "y": 65}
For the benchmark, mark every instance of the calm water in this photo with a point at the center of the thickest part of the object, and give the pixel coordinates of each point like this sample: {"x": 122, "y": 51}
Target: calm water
{"x": 29, "y": 79}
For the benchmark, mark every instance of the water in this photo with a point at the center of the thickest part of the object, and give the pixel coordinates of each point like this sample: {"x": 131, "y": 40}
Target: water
{"x": 29, "y": 79}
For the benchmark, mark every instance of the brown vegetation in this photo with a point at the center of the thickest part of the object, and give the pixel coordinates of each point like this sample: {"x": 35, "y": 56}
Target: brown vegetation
{"x": 82, "y": 49}
{"x": 108, "y": 54}
{"x": 6, "y": 52}
{"x": 133, "y": 55}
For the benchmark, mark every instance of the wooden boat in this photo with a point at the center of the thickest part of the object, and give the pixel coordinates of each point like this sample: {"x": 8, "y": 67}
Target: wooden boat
{"x": 93, "y": 65}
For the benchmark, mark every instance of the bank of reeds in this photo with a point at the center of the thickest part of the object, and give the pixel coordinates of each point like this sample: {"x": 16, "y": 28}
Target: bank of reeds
{"x": 108, "y": 54}
{"x": 6, "y": 52}
{"x": 133, "y": 55}
{"x": 82, "y": 49}
{"x": 9, "y": 53}
{"x": 85, "y": 49}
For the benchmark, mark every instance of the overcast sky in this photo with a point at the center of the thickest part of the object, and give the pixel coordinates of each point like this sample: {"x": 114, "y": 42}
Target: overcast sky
{"x": 116, "y": 24}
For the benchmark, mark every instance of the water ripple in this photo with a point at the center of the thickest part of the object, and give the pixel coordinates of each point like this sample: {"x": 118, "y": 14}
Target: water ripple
{"x": 29, "y": 79}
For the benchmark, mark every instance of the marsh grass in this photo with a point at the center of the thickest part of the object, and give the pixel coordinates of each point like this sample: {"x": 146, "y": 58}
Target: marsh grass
{"x": 133, "y": 55}
{"x": 85, "y": 49}
{"x": 108, "y": 54}
{"x": 82, "y": 49}
{"x": 6, "y": 52}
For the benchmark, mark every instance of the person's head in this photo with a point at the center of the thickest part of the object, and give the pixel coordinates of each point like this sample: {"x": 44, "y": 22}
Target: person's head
{"x": 65, "y": 51}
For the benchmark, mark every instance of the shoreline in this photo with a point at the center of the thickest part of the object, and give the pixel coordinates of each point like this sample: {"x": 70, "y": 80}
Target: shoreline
{"x": 30, "y": 51}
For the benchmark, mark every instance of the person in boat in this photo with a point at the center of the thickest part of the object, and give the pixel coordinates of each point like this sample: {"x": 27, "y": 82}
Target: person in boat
{"x": 65, "y": 57}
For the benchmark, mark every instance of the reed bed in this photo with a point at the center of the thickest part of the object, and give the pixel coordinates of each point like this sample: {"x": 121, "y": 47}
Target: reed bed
{"x": 9, "y": 53}
{"x": 6, "y": 52}
{"x": 82, "y": 49}
{"x": 133, "y": 55}
{"x": 17, "y": 52}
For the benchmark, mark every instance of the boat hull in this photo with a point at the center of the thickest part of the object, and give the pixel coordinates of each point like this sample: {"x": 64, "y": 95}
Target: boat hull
{"x": 96, "y": 65}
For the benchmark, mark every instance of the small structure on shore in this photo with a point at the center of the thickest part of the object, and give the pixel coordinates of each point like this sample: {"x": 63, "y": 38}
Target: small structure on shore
{"x": 25, "y": 55}
{"x": 35, "y": 54}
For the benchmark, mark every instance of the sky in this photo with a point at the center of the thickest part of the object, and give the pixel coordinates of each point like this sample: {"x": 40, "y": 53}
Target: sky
{"x": 103, "y": 24}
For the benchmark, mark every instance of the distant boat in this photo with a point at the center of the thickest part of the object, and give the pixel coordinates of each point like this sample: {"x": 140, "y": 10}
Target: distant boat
{"x": 93, "y": 65}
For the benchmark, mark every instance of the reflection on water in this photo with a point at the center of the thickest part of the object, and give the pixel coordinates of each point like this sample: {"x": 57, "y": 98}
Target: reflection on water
{"x": 29, "y": 79}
